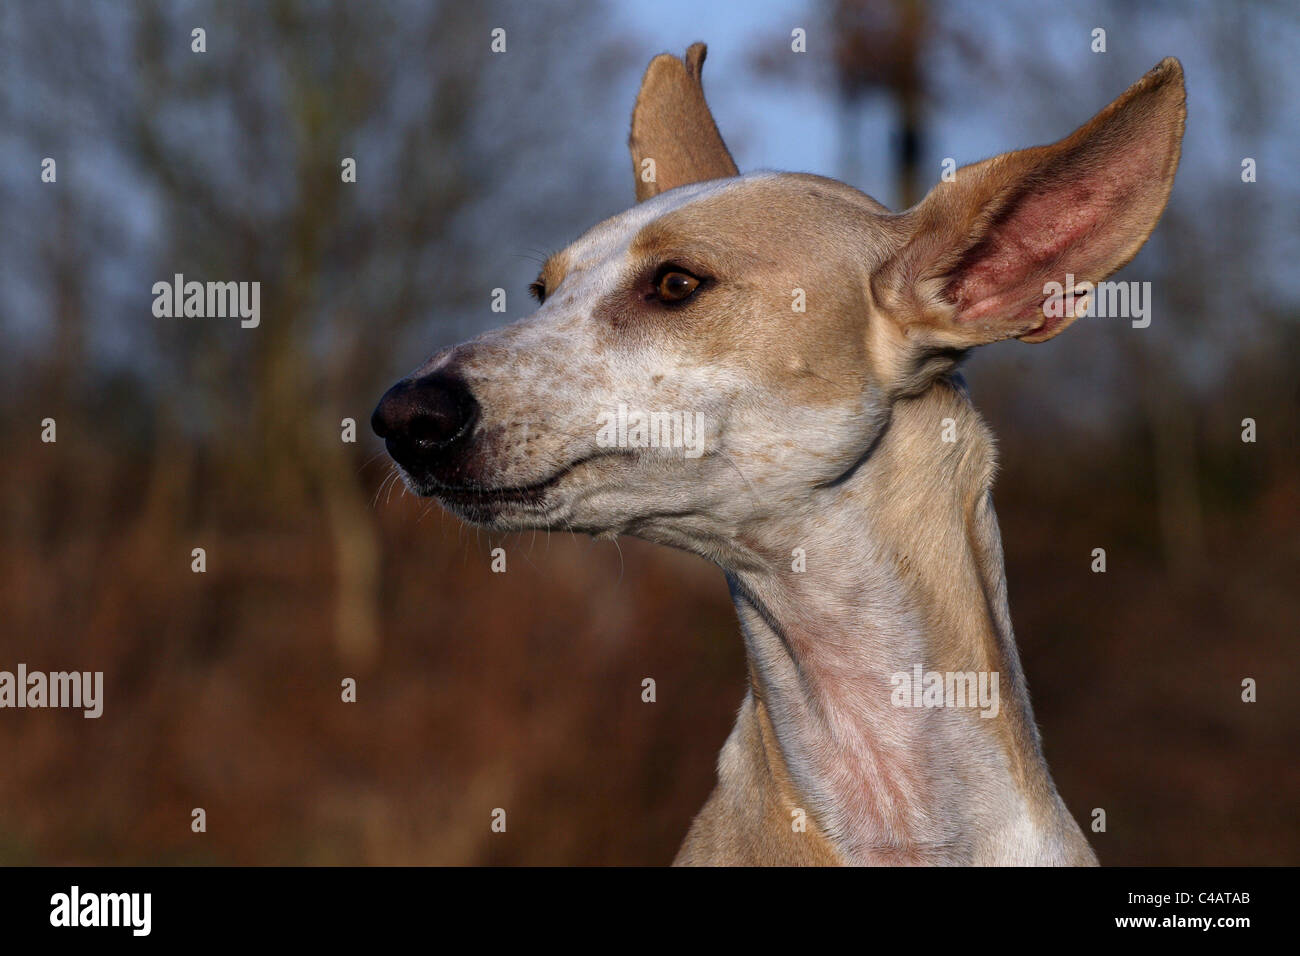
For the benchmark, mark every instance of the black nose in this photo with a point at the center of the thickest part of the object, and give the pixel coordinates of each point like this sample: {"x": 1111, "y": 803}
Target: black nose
{"x": 422, "y": 418}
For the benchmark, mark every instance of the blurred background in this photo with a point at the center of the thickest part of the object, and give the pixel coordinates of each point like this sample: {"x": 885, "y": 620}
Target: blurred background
{"x": 522, "y": 690}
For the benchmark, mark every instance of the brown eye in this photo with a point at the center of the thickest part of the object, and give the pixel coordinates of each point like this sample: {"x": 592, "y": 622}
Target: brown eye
{"x": 676, "y": 286}
{"x": 537, "y": 290}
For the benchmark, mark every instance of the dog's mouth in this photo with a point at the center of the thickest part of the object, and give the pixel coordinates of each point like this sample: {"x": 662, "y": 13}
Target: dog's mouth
{"x": 484, "y": 504}
{"x": 488, "y": 504}
{"x": 478, "y": 498}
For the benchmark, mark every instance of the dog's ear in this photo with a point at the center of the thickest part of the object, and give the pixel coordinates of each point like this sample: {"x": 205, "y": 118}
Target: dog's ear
{"x": 981, "y": 249}
{"x": 674, "y": 140}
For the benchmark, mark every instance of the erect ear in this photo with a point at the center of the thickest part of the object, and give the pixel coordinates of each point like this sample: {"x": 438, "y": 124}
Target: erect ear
{"x": 983, "y": 249}
{"x": 673, "y": 128}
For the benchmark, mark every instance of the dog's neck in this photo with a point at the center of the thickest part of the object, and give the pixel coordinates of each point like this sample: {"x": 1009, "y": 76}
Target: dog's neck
{"x": 902, "y": 570}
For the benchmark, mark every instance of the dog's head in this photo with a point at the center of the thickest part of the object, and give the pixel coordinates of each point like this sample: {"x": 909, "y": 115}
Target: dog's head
{"x": 733, "y": 343}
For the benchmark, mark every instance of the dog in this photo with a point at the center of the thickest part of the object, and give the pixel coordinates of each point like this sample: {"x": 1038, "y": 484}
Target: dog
{"x": 843, "y": 478}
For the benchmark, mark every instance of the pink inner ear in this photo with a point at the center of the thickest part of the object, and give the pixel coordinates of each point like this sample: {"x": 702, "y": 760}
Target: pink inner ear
{"x": 1070, "y": 223}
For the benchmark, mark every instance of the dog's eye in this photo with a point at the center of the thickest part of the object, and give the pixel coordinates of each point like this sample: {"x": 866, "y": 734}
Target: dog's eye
{"x": 676, "y": 286}
{"x": 537, "y": 289}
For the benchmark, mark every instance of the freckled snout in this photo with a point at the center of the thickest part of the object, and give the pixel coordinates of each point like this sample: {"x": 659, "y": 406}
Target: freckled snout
{"x": 424, "y": 420}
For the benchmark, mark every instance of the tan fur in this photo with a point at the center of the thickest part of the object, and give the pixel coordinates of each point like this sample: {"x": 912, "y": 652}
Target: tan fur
{"x": 823, "y": 436}
{"x": 748, "y": 821}
{"x": 672, "y": 125}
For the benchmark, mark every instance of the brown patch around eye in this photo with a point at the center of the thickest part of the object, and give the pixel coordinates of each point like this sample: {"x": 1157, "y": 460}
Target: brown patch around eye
{"x": 554, "y": 269}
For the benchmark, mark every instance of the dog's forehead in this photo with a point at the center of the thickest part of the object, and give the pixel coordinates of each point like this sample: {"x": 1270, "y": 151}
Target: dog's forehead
{"x": 610, "y": 240}
{"x": 790, "y": 208}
